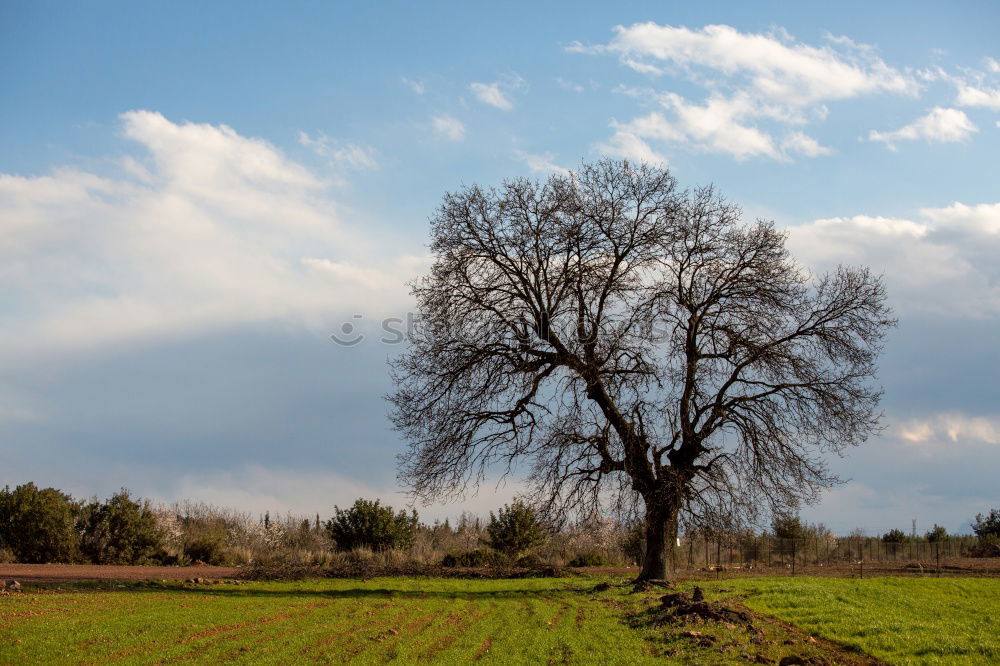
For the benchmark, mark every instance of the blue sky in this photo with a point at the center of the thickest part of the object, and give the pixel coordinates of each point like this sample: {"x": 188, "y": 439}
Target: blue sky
{"x": 194, "y": 196}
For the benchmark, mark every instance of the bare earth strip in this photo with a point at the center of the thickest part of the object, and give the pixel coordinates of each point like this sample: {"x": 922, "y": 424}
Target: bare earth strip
{"x": 67, "y": 573}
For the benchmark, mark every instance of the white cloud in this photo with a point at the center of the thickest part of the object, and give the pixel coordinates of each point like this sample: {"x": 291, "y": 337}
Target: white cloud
{"x": 942, "y": 263}
{"x": 540, "y": 163}
{"x": 943, "y": 432}
{"x": 569, "y": 85}
{"x": 498, "y": 93}
{"x": 714, "y": 127}
{"x": 490, "y": 93}
{"x": 779, "y": 68}
{"x": 448, "y": 127}
{"x": 416, "y": 86}
{"x": 799, "y": 143}
{"x": 349, "y": 155}
{"x": 938, "y": 126}
{"x": 750, "y": 79}
{"x": 627, "y": 142}
{"x": 208, "y": 228}
{"x": 992, "y": 65}
{"x": 973, "y": 96}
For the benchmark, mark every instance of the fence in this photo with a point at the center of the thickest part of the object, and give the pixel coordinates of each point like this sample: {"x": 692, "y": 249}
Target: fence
{"x": 843, "y": 555}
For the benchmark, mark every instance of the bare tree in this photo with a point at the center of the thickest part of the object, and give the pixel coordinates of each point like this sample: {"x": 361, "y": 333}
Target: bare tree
{"x": 637, "y": 345}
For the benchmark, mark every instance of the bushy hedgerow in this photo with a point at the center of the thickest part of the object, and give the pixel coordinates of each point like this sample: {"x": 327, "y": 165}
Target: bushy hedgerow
{"x": 39, "y": 525}
{"x": 477, "y": 558}
{"x": 368, "y": 524}
{"x": 120, "y": 531}
{"x": 589, "y": 560}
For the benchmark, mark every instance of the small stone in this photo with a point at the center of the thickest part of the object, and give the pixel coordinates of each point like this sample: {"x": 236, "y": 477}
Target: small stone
{"x": 13, "y": 586}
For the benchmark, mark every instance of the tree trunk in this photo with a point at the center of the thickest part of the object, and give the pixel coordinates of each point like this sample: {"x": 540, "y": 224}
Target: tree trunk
{"x": 661, "y": 543}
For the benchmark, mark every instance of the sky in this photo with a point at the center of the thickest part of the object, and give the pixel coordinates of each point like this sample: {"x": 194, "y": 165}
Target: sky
{"x": 195, "y": 197}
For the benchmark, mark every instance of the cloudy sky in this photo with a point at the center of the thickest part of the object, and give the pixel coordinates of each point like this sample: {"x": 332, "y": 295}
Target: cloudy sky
{"x": 195, "y": 196}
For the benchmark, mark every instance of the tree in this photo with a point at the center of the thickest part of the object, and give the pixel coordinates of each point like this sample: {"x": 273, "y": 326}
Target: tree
{"x": 371, "y": 525}
{"x": 120, "y": 531}
{"x": 787, "y": 527}
{"x": 987, "y": 525}
{"x": 639, "y": 345}
{"x": 937, "y": 534}
{"x": 894, "y": 536}
{"x": 515, "y": 529}
{"x": 39, "y": 525}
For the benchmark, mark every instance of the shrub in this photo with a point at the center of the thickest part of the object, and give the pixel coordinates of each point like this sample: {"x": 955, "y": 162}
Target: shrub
{"x": 209, "y": 547}
{"x": 589, "y": 560}
{"x": 937, "y": 534}
{"x": 368, "y": 524}
{"x": 986, "y": 546}
{"x": 988, "y": 525}
{"x": 120, "y": 531}
{"x": 515, "y": 529}
{"x": 39, "y": 526}
{"x": 529, "y": 561}
{"x": 477, "y": 558}
{"x": 894, "y": 536}
{"x": 633, "y": 543}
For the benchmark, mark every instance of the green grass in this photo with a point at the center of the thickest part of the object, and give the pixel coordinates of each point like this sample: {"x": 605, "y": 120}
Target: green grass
{"x": 500, "y": 621}
{"x": 449, "y": 621}
{"x": 900, "y": 620}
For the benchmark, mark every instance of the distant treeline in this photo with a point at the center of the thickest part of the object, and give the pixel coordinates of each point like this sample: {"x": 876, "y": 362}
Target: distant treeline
{"x": 39, "y": 525}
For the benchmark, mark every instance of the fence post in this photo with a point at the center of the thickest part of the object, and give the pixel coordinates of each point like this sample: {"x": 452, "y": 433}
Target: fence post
{"x": 718, "y": 558}
{"x": 937, "y": 555}
{"x": 793, "y": 557}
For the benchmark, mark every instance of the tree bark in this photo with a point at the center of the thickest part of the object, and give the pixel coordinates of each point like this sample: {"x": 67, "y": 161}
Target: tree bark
{"x": 660, "y": 557}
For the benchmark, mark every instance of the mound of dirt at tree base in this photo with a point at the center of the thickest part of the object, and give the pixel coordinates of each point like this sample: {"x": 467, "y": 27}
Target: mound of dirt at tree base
{"x": 785, "y": 643}
{"x": 683, "y": 606}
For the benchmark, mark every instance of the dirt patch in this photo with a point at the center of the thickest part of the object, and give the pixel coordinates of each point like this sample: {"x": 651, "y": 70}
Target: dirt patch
{"x": 69, "y": 573}
{"x": 484, "y": 649}
{"x": 727, "y": 626}
{"x": 682, "y": 607}
{"x": 364, "y": 571}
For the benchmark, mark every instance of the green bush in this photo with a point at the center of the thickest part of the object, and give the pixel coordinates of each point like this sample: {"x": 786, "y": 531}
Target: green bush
{"x": 988, "y": 525}
{"x": 986, "y": 546}
{"x": 515, "y": 529}
{"x": 894, "y": 536}
{"x": 120, "y": 531}
{"x": 937, "y": 534}
{"x": 529, "y": 561}
{"x": 787, "y": 526}
{"x": 633, "y": 543}
{"x": 368, "y": 524}
{"x": 39, "y": 526}
{"x": 589, "y": 560}
{"x": 208, "y": 546}
{"x": 477, "y": 558}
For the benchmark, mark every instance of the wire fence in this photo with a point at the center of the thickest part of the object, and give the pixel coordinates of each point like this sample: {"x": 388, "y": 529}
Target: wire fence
{"x": 832, "y": 555}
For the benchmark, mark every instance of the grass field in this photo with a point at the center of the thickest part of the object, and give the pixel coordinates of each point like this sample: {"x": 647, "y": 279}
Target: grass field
{"x": 502, "y": 621}
{"x": 900, "y": 620}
